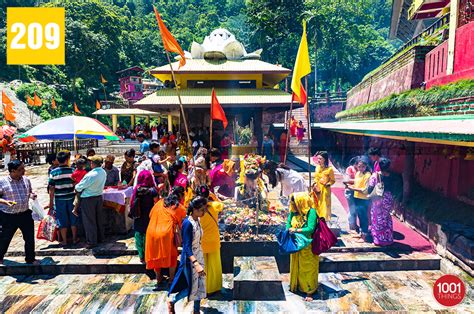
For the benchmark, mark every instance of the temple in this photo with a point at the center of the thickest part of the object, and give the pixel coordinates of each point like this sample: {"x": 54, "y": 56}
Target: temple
{"x": 246, "y": 87}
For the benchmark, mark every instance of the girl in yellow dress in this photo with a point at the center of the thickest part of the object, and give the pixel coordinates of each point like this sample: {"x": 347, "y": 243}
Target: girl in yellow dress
{"x": 323, "y": 179}
{"x": 211, "y": 243}
{"x": 304, "y": 265}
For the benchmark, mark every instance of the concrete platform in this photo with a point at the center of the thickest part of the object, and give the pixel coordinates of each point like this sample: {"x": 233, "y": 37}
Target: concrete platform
{"x": 257, "y": 278}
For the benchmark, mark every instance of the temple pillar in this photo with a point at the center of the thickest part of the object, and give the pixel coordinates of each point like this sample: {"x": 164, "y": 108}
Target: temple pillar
{"x": 114, "y": 123}
{"x": 132, "y": 120}
{"x": 147, "y": 119}
{"x": 453, "y": 25}
{"x": 170, "y": 123}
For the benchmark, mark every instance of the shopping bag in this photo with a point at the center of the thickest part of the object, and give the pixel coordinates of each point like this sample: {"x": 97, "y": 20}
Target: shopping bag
{"x": 47, "y": 229}
{"x": 289, "y": 243}
{"x": 38, "y": 211}
{"x": 323, "y": 238}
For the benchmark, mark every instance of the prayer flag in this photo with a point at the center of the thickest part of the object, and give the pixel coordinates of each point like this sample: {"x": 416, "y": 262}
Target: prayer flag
{"x": 53, "y": 103}
{"x": 102, "y": 79}
{"x": 301, "y": 69}
{"x": 169, "y": 42}
{"x": 217, "y": 113}
{"x": 97, "y": 105}
{"x": 76, "y": 109}
{"x": 29, "y": 100}
{"x": 37, "y": 101}
{"x": 8, "y": 111}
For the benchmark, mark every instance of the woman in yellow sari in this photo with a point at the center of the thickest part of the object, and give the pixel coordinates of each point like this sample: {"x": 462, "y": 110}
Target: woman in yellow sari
{"x": 323, "y": 179}
{"x": 304, "y": 265}
{"x": 211, "y": 243}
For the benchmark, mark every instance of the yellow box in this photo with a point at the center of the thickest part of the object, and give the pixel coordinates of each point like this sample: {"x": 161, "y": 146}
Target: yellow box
{"x": 35, "y": 36}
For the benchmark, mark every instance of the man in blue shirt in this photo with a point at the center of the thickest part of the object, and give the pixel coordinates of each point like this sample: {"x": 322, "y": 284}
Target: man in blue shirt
{"x": 144, "y": 145}
{"x": 91, "y": 188}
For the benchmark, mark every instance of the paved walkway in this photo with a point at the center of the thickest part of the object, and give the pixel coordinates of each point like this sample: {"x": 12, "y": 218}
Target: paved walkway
{"x": 347, "y": 292}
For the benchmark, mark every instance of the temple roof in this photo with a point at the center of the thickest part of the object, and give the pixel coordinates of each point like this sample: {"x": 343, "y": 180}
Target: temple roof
{"x": 228, "y": 98}
{"x": 272, "y": 74}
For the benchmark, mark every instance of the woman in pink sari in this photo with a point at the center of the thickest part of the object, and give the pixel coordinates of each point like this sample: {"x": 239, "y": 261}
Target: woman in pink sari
{"x": 176, "y": 175}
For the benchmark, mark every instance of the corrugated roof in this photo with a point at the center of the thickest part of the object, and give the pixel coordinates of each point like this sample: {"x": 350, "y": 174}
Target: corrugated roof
{"x": 205, "y": 66}
{"x": 454, "y": 130}
{"x": 201, "y": 98}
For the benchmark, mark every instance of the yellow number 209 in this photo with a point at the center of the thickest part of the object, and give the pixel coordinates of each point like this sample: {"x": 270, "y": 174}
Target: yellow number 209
{"x": 35, "y": 36}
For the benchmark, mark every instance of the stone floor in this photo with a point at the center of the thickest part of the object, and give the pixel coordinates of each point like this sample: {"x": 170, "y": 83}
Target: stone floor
{"x": 343, "y": 292}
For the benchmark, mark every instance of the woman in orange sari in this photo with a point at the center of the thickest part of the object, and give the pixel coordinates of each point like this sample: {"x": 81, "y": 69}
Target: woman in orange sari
{"x": 161, "y": 249}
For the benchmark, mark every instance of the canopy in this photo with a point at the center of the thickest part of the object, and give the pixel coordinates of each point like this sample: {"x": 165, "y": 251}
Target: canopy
{"x": 68, "y": 128}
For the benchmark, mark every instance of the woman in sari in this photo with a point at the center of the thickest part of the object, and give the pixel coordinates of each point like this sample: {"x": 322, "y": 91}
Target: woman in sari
{"x": 323, "y": 179}
{"x": 223, "y": 177}
{"x": 128, "y": 171}
{"x": 293, "y": 126}
{"x": 304, "y": 265}
{"x": 211, "y": 243}
{"x": 161, "y": 243}
{"x": 141, "y": 203}
{"x": 176, "y": 174}
{"x": 381, "y": 220}
{"x": 190, "y": 280}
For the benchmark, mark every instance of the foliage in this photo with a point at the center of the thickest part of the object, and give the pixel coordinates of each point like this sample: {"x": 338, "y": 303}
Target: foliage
{"x": 46, "y": 93}
{"x": 409, "y": 103}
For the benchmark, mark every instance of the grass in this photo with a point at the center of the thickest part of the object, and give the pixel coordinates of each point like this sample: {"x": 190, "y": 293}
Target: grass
{"x": 415, "y": 102}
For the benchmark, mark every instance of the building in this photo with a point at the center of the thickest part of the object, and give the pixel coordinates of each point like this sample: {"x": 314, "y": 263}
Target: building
{"x": 131, "y": 86}
{"x": 427, "y": 132}
{"x": 246, "y": 87}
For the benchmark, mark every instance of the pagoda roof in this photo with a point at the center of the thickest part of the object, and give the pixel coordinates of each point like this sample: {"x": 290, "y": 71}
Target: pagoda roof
{"x": 228, "y": 98}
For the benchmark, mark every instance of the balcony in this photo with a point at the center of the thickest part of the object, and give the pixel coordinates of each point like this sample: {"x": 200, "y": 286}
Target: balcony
{"x": 425, "y": 9}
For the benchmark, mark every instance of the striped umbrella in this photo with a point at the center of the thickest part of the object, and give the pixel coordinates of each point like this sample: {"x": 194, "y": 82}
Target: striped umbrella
{"x": 69, "y": 128}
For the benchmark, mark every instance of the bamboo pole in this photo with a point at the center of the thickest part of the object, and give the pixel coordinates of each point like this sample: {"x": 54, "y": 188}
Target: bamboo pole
{"x": 210, "y": 130}
{"x": 288, "y": 133}
{"x": 179, "y": 100}
{"x": 308, "y": 119}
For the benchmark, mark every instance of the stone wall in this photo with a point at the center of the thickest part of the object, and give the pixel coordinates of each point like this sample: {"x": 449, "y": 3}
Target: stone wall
{"x": 400, "y": 74}
{"x": 326, "y": 112}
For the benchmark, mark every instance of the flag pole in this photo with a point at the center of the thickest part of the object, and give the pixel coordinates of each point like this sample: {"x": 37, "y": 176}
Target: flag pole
{"x": 288, "y": 133}
{"x": 179, "y": 99}
{"x": 210, "y": 129}
{"x": 308, "y": 119}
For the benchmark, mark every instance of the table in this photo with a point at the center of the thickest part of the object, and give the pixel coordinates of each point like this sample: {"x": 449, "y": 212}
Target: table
{"x": 116, "y": 208}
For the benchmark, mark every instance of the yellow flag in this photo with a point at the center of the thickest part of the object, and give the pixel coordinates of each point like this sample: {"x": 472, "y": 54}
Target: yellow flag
{"x": 301, "y": 69}
{"x": 102, "y": 79}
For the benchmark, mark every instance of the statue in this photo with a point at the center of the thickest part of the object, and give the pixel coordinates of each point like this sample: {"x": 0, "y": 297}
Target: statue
{"x": 221, "y": 45}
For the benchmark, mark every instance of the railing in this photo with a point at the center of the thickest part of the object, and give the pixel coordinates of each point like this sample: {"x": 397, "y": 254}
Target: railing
{"x": 329, "y": 97}
{"x": 430, "y": 30}
{"x": 114, "y": 104}
{"x": 43, "y": 149}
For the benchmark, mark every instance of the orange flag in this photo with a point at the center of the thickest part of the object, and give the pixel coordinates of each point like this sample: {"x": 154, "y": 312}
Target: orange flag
{"x": 217, "y": 113}
{"x": 169, "y": 42}
{"x": 37, "y": 101}
{"x": 76, "y": 109}
{"x": 53, "y": 103}
{"x": 8, "y": 111}
{"x": 29, "y": 100}
{"x": 97, "y": 105}
{"x": 102, "y": 79}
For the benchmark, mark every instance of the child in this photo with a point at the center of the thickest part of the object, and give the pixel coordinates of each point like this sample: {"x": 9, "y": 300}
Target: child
{"x": 77, "y": 176}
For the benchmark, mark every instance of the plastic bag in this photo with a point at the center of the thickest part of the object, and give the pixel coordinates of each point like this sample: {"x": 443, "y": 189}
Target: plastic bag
{"x": 47, "y": 229}
{"x": 38, "y": 211}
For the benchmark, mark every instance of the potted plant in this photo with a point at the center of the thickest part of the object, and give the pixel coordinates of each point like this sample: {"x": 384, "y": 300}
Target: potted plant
{"x": 243, "y": 141}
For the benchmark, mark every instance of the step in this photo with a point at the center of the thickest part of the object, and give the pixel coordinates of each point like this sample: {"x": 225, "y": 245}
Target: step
{"x": 337, "y": 260}
{"x": 257, "y": 278}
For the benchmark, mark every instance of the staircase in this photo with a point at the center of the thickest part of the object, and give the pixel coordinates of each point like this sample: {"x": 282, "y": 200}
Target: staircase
{"x": 300, "y": 149}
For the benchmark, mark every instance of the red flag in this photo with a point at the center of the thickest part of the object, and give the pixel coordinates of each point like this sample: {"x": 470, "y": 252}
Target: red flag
{"x": 303, "y": 99}
{"x": 37, "y": 101}
{"x": 76, "y": 109}
{"x": 53, "y": 103}
{"x": 8, "y": 111}
{"x": 217, "y": 113}
{"x": 169, "y": 42}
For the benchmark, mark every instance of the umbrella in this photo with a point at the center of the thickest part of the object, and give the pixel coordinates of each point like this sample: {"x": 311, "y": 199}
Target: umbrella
{"x": 7, "y": 130}
{"x": 69, "y": 128}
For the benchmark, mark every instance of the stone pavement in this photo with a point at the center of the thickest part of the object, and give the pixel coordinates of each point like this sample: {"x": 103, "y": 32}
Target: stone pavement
{"x": 342, "y": 292}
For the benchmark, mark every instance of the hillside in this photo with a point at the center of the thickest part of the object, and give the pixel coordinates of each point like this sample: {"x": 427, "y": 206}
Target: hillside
{"x": 25, "y": 118}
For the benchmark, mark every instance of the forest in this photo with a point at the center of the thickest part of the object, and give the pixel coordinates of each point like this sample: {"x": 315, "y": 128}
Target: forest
{"x": 347, "y": 39}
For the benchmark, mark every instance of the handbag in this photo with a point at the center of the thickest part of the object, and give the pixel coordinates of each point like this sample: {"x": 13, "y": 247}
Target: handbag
{"x": 323, "y": 238}
{"x": 378, "y": 190}
{"x": 47, "y": 229}
{"x": 289, "y": 243}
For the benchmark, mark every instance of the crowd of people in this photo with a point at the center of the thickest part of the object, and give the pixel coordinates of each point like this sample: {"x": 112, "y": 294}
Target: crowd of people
{"x": 178, "y": 194}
